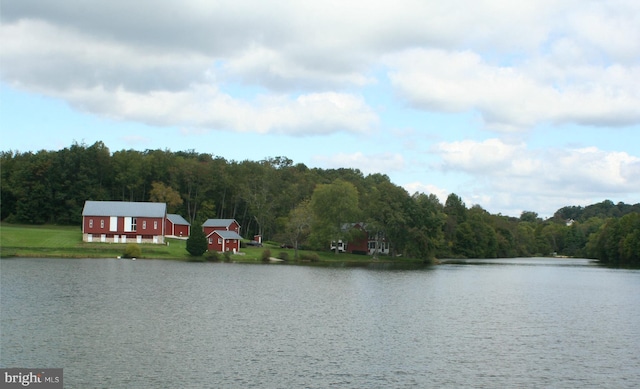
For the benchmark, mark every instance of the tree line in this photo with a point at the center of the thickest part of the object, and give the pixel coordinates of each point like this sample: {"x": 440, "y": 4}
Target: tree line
{"x": 301, "y": 206}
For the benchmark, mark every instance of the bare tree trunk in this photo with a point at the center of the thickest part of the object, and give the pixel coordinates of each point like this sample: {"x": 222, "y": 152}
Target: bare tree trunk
{"x": 224, "y": 195}
{"x": 259, "y": 226}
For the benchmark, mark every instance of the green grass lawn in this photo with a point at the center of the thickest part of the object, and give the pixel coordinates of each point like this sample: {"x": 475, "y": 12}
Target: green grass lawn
{"x": 63, "y": 241}
{"x": 66, "y": 242}
{"x": 39, "y": 236}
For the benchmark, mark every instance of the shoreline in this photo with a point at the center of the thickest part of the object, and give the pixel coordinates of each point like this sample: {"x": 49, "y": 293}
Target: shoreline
{"x": 51, "y": 241}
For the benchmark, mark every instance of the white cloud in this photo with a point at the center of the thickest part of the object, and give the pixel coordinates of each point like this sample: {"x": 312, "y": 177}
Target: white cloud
{"x": 49, "y": 59}
{"x": 130, "y": 82}
{"x": 368, "y": 164}
{"x": 489, "y": 155}
{"x": 592, "y": 170}
{"x": 520, "y": 178}
{"x": 260, "y": 65}
{"x": 515, "y": 98}
{"x": 611, "y": 27}
{"x": 207, "y": 107}
{"x": 419, "y": 187}
{"x": 583, "y": 169}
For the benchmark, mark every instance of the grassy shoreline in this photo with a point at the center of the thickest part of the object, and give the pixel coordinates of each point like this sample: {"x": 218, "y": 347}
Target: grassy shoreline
{"x": 51, "y": 241}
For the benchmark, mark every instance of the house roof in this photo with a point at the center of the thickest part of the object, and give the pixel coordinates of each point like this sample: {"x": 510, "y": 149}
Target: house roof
{"x": 177, "y": 219}
{"x": 218, "y": 222}
{"x": 124, "y": 208}
{"x": 225, "y": 234}
{"x": 348, "y": 226}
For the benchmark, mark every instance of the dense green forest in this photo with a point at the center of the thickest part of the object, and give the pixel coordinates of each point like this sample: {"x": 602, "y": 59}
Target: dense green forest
{"x": 291, "y": 203}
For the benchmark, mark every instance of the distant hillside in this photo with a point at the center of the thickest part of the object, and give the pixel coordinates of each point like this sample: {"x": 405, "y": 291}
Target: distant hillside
{"x": 603, "y": 210}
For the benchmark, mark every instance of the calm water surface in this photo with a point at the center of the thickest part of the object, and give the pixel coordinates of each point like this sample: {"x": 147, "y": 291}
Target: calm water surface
{"x": 527, "y": 323}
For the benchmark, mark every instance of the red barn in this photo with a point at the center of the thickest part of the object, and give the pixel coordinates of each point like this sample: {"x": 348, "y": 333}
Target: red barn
{"x": 222, "y": 235}
{"x": 123, "y": 222}
{"x": 177, "y": 226}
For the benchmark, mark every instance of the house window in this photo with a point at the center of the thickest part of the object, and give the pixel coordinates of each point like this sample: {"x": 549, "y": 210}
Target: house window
{"x": 155, "y": 225}
{"x": 101, "y": 223}
{"x": 134, "y": 222}
{"x": 210, "y": 241}
{"x": 144, "y": 224}
{"x": 219, "y": 240}
{"x": 90, "y": 223}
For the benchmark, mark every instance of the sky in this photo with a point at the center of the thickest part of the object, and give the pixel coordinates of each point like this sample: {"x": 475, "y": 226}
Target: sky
{"x": 512, "y": 105}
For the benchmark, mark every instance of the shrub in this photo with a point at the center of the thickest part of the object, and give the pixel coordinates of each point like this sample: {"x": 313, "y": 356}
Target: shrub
{"x": 227, "y": 256}
{"x": 132, "y": 251}
{"x": 212, "y": 256}
{"x": 284, "y": 255}
{"x": 266, "y": 255}
{"x": 311, "y": 257}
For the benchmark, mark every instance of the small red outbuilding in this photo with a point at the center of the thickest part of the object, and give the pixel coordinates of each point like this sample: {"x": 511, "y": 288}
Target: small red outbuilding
{"x": 177, "y": 226}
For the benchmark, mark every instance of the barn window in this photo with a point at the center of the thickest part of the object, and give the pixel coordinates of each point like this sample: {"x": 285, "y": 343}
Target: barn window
{"x": 101, "y": 223}
{"x": 134, "y": 225}
{"x": 144, "y": 224}
{"x": 90, "y": 223}
{"x": 155, "y": 225}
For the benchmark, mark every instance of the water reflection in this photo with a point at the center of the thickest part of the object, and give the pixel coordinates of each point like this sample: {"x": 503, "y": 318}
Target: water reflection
{"x": 382, "y": 265}
{"x": 535, "y": 261}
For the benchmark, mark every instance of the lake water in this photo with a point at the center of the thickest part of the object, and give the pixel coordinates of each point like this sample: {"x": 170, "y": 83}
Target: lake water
{"x": 526, "y": 323}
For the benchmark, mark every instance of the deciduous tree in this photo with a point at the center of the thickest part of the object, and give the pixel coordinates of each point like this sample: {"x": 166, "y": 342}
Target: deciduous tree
{"x": 299, "y": 224}
{"x": 161, "y": 193}
{"x": 333, "y": 205}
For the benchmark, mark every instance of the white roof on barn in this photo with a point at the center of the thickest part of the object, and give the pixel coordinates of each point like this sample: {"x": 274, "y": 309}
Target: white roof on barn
{"x": 124, "y": 208}
{"x": 218, "y": 222}
{"x": 225, "y": 234}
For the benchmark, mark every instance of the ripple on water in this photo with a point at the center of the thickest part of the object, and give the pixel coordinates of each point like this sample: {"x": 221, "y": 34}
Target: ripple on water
{"x": 149, "y": 324}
